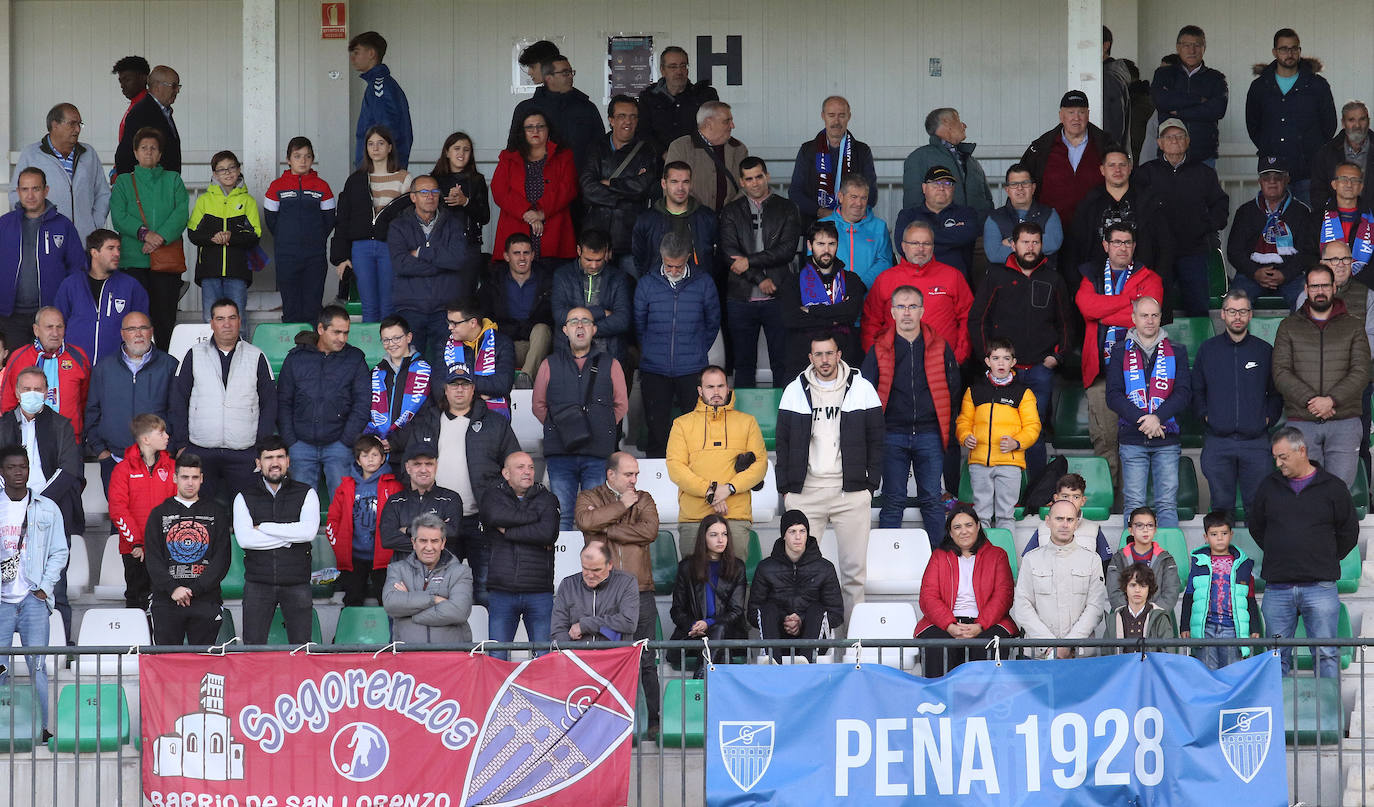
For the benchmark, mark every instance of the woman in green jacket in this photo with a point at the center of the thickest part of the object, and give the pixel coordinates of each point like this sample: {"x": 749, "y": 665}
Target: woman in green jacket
{"x": 226, "y": 227}
{"x": 148, "y": 208}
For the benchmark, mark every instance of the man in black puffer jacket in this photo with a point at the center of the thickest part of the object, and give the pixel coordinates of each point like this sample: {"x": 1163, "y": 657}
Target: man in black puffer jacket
{"x": 796, "y": 592}
{"x": 618, "y": 178}
{"x": 521, "y": 521}
{"x": 324, "y": 399}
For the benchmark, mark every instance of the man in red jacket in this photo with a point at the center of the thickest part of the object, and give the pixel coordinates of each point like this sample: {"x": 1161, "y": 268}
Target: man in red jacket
{"x": 66, "y": 366}
{"x": 143, "y": 480}
{"x": 354, "y": 523}
{"x": 1105, "y": 295}
{"x": 946, "y": 293}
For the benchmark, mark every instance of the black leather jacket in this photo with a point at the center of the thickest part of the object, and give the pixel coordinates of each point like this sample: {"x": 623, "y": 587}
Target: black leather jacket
{"x": 782, "y": 233}
{"x": 615, "y": 207}
{"x": 689, "y": 602}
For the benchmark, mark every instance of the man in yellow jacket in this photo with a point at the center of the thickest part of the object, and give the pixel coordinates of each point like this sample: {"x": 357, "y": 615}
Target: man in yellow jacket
{"x": 997, "y": 422}
{"x": 716, "y": 456}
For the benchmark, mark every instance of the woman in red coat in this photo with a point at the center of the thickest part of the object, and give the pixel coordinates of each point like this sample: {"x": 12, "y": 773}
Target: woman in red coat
{"x": 966, "y": 593}
{"x": 534, "y": 183}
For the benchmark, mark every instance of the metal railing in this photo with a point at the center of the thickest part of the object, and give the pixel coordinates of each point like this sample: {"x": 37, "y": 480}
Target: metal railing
{"x": 664, "y": 773}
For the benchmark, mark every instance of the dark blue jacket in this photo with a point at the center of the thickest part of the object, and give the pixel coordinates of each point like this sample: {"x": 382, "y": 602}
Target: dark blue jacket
{"x": 1127, "y": 412}
{"x": 385, "y": 104}
{"x": 956, "y": 228}
{"x": 1199, "y": 101}
{"x": 655, "y": 223}
{"x": 299, "y": 210}
{"x": 60, "y": 253}
{"x": 1292, "y": 125}
{"x": 323, "y": 398}
{"x": 570, "y": 291}
{"x": 94, "y": 327}
{"x": 676, "y": 326}
{"x": 1233, "y": 387}
{"x": 117, "y": 395}
{"x": 444, "y": 269}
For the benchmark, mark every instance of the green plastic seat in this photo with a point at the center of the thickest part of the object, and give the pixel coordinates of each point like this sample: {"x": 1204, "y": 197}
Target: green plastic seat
{"x": 231, "y": 588}
{"x": 1070, "y": 418}
{"x": 684, "y": 714}
{"x": 1350, "y": 573}
{"x": 966, "y": 490}
{"x": 1265, "y": 327}
{"x": 322, "y": 568}
{"x": 1359, "y": 491}
{"x": 276, "y": 635}
{"x": 94, "y": 717}
{"x": 276, "y": 340}
{"x": 20, "y": 722}
{"x": 367, "y": 337}
{"x": 663, "y": 555}
{"x": 763, "y": 405}
{"x": 1312, "y": 711}
{"x": 1187, "y": 501}
{"x": 753, "y": 556}
{"x": 1003, "y": 538}
{"x": 1172, "y": 540}
{"x": 228, "y": 631}
{"x": 1217, "y": 282}
{"x": 1190, "y": 332}
{"x": 1245, "y": 542}
{"x": 363, "y": 624}
{"x": 1302, "y": 656}
{"x": 1098, "y": 475}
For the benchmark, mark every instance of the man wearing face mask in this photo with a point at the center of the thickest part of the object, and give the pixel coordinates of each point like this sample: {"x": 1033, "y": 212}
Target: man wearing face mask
{"x": 275, "y": 522}
{"x": 55, "y": 470}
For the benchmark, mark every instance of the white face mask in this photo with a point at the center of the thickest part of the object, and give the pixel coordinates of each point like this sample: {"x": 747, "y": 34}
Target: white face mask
{"x": 31, "y": 402}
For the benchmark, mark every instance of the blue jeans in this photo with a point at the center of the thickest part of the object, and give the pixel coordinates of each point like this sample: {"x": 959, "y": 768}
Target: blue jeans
{"x": 28, "y": 618}
{"x": 308, "y": 459}
{"x": 1227, "y": 461}
{"x": 1217, "y": 657}
{"x": 1288, "y": 290}
{"x": 1143, "y": 465}
{"x": 372, "y": 270}
{"x": 1190, "y": 278}
{"x": 923, "y": 453}
{"x": 505, "y": 608}
{"x": 430, "y": 332}
{"x": 569, "y": 473}
{"x": 1040, "y": 379}
{"x": 1320, "y": 608}
{"x": 745, "y": 318}
{"x": 1302, "y": 190}
{"x": 217, "y": 288}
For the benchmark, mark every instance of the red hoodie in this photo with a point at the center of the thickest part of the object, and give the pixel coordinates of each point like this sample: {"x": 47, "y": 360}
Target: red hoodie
{"x": 948, "y": 299}
{"x": 338, "y": 527}
{"x": 135, "y": 491}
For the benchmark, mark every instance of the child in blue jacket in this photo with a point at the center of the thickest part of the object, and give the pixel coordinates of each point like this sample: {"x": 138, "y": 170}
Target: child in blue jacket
{"x": 300, "y": 215}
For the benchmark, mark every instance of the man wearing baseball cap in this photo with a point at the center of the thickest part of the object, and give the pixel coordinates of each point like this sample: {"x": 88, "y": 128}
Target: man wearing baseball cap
{"x": 1191, "y": 203}
{"x": 1273, "y": 237}
{"x": 1064, "y": 161}
{"x": 421, "y": 495}
{"x": 956, "y": 226}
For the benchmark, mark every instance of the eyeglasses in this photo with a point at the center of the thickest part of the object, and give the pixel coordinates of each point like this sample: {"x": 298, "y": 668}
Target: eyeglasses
{"x": 1321, "y": 286}
{"x": 427, "y": 192}
{"x": 393, "y": 340}
{"x": 1174, "y": 137}
{"x": 1024, "y": 183}
{"x": 454, "y": 323}
{"x": 173, "y": 85}
{"x": 1237, "y": 312}
{"x": 916, "y": 307}
{"x": 536, "y": 127}
{"x": 1288, "y": 49}
{"x": 1338, "y": 261}
{"x": 1143, "y": 525}
{"x": 1348, "y": 180}
{"x": 569, "y": 72}
{"x": 1117, "y": 242}
{"x": 941, "y": 183}
{"x": 579, "y": 321}
{"x": 228, "y": 169}
{"x": 78, "y": 124}
{"x": 918, "y": 243}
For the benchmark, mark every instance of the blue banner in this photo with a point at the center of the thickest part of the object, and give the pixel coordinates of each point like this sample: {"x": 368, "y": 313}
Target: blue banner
{"x": 1111, "y": 730}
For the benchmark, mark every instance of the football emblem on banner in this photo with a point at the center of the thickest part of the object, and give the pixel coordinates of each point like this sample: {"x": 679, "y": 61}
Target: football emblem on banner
{"x": 359, "y": 752}
{"x": 1244, "y": 737}
{"x": 746, "y": 749}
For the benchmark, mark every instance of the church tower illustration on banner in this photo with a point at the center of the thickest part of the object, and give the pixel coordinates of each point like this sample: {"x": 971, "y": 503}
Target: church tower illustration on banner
{"x": 201, "y": 746}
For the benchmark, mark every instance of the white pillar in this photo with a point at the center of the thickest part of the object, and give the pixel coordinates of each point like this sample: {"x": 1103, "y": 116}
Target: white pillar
{"x": 6, "y": 32}
{"x": 260, "y": 147}
{"x": 1084, "y": 35}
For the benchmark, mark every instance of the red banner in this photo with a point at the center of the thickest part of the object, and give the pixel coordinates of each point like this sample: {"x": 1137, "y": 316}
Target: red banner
{"x": 440, "y": 729}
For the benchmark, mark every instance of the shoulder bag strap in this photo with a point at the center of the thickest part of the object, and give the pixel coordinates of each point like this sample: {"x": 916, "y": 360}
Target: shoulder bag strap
{"x": 625, "y": 162}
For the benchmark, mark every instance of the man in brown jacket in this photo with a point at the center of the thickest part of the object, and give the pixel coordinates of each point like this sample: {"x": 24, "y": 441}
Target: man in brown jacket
{"x": 1321, "y": 368}
{"x": 626, "y": 519}
{"x": 713, "y": 154}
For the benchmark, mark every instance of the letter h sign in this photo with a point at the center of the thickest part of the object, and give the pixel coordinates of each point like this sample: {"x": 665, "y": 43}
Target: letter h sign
{"x": 732, "y": 59}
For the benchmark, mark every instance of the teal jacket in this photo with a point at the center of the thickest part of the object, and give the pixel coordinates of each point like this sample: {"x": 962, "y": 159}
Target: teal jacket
{"x": 1197, "y": 594}
{"x": 166, "y": 208}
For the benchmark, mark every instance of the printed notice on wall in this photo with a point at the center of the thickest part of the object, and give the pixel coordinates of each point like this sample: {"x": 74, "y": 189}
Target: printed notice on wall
{"x": 631, "y": 64}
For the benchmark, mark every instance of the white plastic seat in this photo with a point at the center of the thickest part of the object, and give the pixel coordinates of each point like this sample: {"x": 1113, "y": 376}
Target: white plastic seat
{"x": 830, "y": 547}
{"x": 654, "y": 480}
{"x": 480, "y": 623}
{"x": 112, "y": 627}
{"x": 882, "y": 620}
{"x": 93, "y": 496}
{"x": 896, "y": 561}
{"x": 528, "y": 430}
{"x": 567, "y": 551}
{"x": 186, "y": 336}
{"x": 78, "y": 566}
{"x": 764, "y": 503}
{"x": 110, "y": 577}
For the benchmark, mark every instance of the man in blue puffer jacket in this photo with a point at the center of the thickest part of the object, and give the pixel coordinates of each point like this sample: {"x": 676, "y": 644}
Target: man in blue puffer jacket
{"x": 134, "y": 379}
{"x": 324, "y": 398}
{"x": 677, "y": 317}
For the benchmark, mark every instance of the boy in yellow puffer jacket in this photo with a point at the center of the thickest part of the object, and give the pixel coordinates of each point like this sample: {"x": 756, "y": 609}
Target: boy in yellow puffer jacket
{"x": 997, "y": 422}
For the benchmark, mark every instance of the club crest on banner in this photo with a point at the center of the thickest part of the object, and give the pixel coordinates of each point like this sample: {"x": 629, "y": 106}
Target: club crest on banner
{"x": 1243, "y": 735}
{"x": 746, "y": 748}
